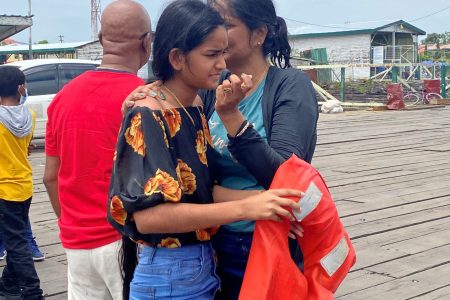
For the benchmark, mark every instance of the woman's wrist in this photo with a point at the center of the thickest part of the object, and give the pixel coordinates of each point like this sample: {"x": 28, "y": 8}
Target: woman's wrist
{"x": 228, "y": 113}
{"x": 232, "y": 121}
{"x": 245, "y": 125}
{"x": 243, "y": 209}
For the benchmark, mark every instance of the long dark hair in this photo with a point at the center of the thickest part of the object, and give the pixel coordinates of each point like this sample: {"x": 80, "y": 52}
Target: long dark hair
{"x": 128, "y": 261}
{"x": 184, "y": 24}
{"x": 257, "y": 13}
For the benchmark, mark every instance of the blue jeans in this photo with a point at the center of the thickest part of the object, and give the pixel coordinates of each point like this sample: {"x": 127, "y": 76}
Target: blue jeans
{"x": 181, "y": 273}
{"x": 19, "y": 275}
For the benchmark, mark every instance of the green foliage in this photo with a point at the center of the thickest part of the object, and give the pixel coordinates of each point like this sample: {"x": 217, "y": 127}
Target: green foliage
{"x": 435, "y": 55}
{"x": 437, "y": 38}
{"x": 42, "y": 42}
{"x": 336, "y": 85}
{"x": 365, "y": 87}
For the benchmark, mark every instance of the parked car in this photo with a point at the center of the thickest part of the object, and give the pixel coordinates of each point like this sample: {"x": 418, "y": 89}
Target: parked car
{"x": 46, "y": 77}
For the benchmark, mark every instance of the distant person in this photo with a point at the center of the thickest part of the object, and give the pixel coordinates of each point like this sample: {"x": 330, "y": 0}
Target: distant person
{"x": 81, "y": 134}
{"x": 19, "y": 279}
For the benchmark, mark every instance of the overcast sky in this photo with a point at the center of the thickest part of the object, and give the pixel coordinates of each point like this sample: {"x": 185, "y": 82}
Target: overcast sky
{"x": 71, "y": 19}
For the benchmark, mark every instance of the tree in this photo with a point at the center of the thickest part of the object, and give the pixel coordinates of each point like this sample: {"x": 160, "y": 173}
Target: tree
{"x": 43, "y": 42}
{"x": 446, "y": 37}
{"x": 432, "y": 38}
{"x": 437, "y": 38}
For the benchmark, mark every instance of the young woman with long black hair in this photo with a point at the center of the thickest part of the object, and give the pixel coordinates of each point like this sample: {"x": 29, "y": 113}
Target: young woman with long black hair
{"x": 161, "y": 187}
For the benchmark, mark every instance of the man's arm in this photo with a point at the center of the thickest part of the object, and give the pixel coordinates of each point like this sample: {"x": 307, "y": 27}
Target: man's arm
{"x": 52, "y": 164}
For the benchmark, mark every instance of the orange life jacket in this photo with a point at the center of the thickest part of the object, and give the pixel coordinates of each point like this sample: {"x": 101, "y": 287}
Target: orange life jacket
{"x": 327, "y": 250}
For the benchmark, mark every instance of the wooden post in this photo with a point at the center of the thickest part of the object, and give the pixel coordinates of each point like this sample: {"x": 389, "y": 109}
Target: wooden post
{"x": 342, "y": 88}
{"x": 443, "y": 82}
{"x": 394, "y": 74}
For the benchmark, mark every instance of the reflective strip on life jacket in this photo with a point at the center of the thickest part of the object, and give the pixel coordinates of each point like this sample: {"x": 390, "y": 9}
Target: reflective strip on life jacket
{"x": 334, "y": 260}
{"x": 308, "y": 202}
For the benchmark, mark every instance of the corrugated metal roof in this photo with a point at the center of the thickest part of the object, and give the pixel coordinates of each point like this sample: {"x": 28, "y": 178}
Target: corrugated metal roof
{"x": 353, "y": 31}
{"x": 54, "y": 47}
{"x": 12, "y": 24}
{"x": 3, "y": 15}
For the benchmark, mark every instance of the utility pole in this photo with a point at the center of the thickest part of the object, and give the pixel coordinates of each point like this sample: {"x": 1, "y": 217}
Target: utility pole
{"x": 61, "y": 38}
{"x": 95, "y": 16}
{"x": 30, "y": 43}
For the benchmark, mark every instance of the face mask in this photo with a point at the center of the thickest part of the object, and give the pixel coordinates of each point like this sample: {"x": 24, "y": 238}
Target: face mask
{"x": 24, "y": 97}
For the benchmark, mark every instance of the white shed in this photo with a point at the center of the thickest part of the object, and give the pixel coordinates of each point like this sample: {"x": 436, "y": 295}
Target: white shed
{"x": 392, "y": 43}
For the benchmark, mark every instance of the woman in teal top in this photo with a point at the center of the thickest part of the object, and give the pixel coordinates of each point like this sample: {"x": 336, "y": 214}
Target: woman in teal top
{"x": 276, "y": 119}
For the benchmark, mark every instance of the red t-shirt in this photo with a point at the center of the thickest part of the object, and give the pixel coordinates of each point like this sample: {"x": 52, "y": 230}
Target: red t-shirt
{"x": 82, "y": 128}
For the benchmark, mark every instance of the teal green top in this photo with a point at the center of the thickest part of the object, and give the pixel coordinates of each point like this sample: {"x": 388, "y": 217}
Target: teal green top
{"x": 230, "y": 173}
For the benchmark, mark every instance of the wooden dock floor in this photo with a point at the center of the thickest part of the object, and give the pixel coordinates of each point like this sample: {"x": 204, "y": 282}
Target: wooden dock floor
{"x": 389, "y": 173}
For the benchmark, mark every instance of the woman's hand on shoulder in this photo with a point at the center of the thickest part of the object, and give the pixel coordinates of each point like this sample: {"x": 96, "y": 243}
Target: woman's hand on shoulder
{"x": 140, "y": 93}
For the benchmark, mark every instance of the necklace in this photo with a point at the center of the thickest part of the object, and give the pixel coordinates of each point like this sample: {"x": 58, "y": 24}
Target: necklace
{"x": 257, "y": 82}
{"x": 179, "y": 103}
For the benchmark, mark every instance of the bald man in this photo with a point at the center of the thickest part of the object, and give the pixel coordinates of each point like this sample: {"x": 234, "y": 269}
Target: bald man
{"x": 83, "y": 124}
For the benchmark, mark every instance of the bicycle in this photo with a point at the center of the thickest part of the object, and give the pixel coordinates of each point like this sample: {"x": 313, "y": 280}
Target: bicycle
{"x": 419, "y": 97}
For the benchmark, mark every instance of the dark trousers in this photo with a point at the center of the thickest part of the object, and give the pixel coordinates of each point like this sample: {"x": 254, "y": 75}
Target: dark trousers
{"x": 233, "y": 249}
{"x": 28, "y": 234}
{"x": 19, "y": 275}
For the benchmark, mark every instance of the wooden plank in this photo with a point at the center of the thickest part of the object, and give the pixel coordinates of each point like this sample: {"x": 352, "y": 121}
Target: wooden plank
{"x": 359, "y": 280}
{"x": 421, "y": 283}
{"x": 440, "y": 101}
{"x": 442, "y": 292}
{"x": 412, "y": 264}
{"x": 373, "y": 250}
{"x": 424, "y": 207}
{"x": 59, "y": 296}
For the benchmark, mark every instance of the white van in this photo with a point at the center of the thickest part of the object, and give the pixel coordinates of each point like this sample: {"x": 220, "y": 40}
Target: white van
{"x": 46, "y": 77}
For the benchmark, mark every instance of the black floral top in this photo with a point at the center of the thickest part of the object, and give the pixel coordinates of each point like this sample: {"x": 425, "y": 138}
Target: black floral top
{"x": 160, "y": 157}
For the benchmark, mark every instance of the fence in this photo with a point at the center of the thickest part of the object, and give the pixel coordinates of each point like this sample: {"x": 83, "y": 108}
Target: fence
{"x": 388, "y": 72}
